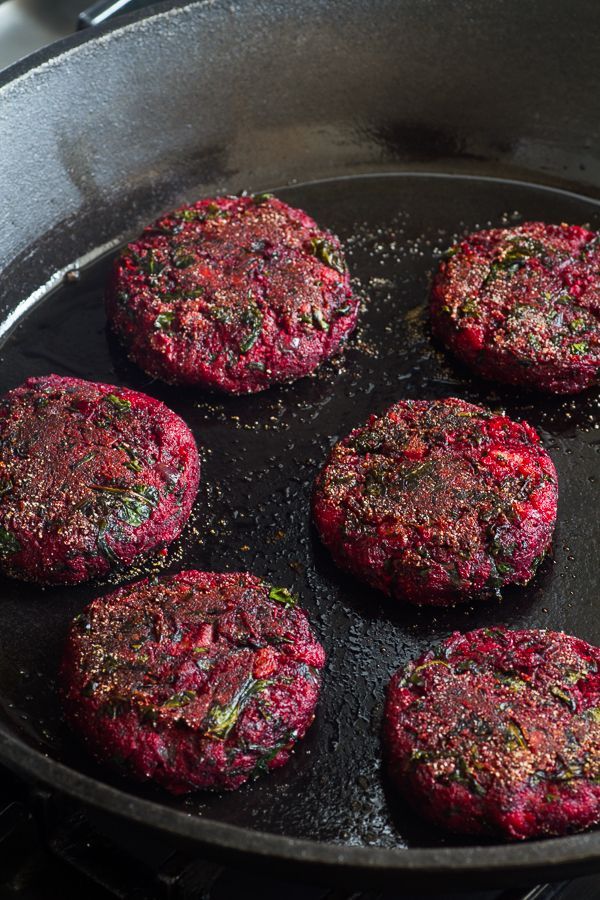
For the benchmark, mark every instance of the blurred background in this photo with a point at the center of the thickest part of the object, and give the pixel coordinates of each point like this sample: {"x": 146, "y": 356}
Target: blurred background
{"x": 27, "y": 25}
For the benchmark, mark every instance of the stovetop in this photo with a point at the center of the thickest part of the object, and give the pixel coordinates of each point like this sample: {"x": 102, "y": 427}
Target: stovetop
{"x": 49, "y": 847}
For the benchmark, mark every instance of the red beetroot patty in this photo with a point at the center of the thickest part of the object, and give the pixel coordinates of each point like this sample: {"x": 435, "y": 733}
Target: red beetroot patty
{"x": 232, "y": 294}
{"x": 198, "y": 680}
{"x": 91, "y": 477}
{"x": 521, "y": 305}
{"x": 498, "y": 732}
{"x": 438, "y": 501}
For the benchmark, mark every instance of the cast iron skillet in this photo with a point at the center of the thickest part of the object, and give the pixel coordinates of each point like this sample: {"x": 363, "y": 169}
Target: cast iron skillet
{"x": 397, "y": 124}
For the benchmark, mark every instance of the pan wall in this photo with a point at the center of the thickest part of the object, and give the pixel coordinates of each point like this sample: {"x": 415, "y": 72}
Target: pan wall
{"x": 103, "y": 134}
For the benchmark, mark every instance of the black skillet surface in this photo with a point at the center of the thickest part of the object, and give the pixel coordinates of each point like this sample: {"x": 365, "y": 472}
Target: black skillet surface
{"x": 261, "y": 454}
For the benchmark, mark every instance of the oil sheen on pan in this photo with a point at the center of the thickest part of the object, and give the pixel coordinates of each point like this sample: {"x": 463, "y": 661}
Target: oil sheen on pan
{"x": 260, "y": 456}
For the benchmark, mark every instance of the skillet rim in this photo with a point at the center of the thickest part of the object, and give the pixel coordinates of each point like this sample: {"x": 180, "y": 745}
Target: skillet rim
{"x": 546, "y": 857}
{"x": 513, "y": 863}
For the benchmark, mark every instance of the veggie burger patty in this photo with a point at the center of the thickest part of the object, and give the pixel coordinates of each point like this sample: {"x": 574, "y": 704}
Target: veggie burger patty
{"x": 232, "y": 294}
{"x": 91, "y": 476}
{"x": 437, "y": 501}
{"x": 498, "y": 732}
{"x": 522, "y": 305}
{"x": 197, "y": 680}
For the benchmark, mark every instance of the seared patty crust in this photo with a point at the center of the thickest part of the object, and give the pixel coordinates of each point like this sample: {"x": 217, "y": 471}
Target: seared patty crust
{"x": 438, "y": 501}
{"x": 91, "y": 477}
{"x": 197, "y": 680}
{"x": 521, "y": 305}
{"x": 498, "y": 732}
{"x": 232, "y": 294}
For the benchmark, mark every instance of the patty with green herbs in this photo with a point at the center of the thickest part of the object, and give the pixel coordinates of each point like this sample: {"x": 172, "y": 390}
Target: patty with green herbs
{"x": 497, "y": 732}
{"x": 92, "y": 478}
{"x": 521, "y": 305}
{"x": 232, "y": 294}
{"x": 198, "y": 680}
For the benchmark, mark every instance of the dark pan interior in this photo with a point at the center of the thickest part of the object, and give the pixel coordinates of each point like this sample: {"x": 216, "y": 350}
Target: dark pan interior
{"x": 260, "y": 457}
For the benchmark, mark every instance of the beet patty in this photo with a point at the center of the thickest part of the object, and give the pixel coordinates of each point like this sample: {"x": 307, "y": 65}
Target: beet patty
{"x": 521, "y": 305}
{"x": 91, "y": 476}
{"x": 198, "y": 680}
{"x": 437, "y": 501}
{"x": 232, "y": 294}
{"x": 498, "y": 732}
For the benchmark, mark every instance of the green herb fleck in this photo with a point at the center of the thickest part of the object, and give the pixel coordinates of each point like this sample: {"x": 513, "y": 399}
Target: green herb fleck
{"x": 213, "y": 210}
{"x": 263, "y": 763}
{"x": 511, "y": 681}
{"x": 164, "y": 321}
{"x": 567, "y": 771}
{"x": 591, "y": 247}
{"x": 220, "y": 314}
{"x": 103, "y": 534}
{"x": 326, "y": 252}
{"x": 133, "y": 462}
{"x": 564, "y": 697}
{"x": 262, "y": 198}
{"x": 514, "y": 257}
{"x": 463, "y": 774}
{"x": 179, "y": 700}
{"x": 183, "y": 294}
{"x": 579, "y": 348}
{"x": 534, "y": 341}
{"x": 282, "y": 595}
{"x": 183, "y": 259}
{"x": 6, "y": 485}
{"x": 188, "y": 214}
{"x": 84, "y": 459}
{"x": 253, "y": 318}
{"x": 133, "y": 506}
{"x": 8, "y": 542}
{"x": 221, "y": 719}
{"x": 419, "y": 756}
{"x": 148, "y": 264}
{"x": 152, "y": 265}
{"x": 515, "y": 737}
{"x": 109, "y": 663}
{"x": 470, "y": 307}
{"x": 319, "y": 319}
{"x": 119, "y": 403}
{"x": 415, "y": 677}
